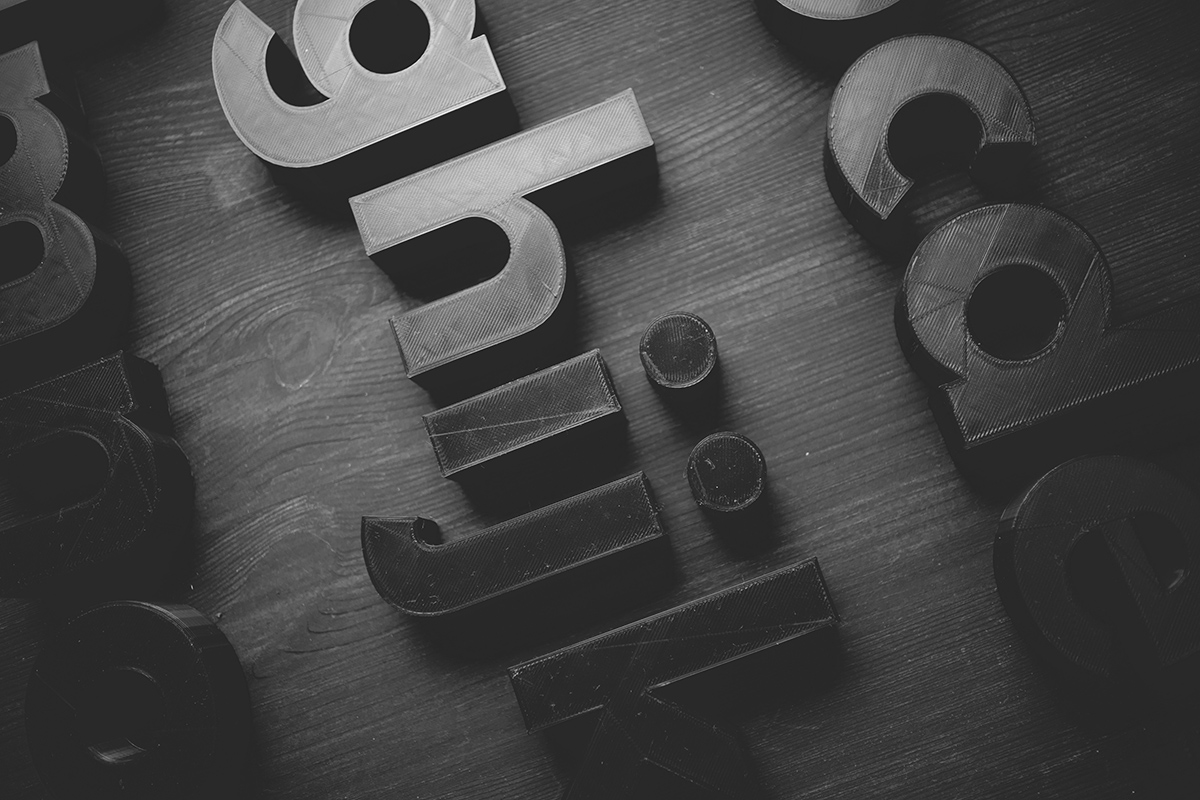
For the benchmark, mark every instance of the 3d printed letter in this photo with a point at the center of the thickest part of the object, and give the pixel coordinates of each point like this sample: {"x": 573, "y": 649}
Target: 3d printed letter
{"x": 330, "y": 127}
{"x": 104, "y": 496}
{"x": 1098, "y": 564}
{"x": 564, "y": 171}
{"x": 619, "y": 674}
{"x": 64, "y": 288}
{"x": 413, "y": 571}
{"x": 1006, "y": 312}
{"x": 570, "y": 405}
{"x": 860, "y": 172}
{"x": 136, "y": 699}
{"x": 836, "y": 31}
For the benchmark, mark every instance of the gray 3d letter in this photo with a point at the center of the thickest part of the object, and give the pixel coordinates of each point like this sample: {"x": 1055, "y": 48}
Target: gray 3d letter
{"x": 64, "y": 287}
{"x": 571, "y": 168}
{"x": 359, "y": 127}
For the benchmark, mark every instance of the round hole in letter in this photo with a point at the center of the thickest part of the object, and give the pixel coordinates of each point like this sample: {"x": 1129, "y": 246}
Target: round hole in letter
{"x": 8, "y": 139}
{"x": 1015, "y": 312}
{"x": 933, "y": 133}
{"x": 22, "y": 245}
{"x": 387, "y": 36}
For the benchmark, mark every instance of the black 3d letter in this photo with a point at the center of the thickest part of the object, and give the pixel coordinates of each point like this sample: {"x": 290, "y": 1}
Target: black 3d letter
{"x": 104, "y": 497}
{"x": 619, "y": 675}
{"x": 1098, "y": 564}
{"x": 64, "y": 288}
{"x": 415, "y": 572}
{"x": 859, "y": 169}
{"x": 139, "y": 700}
{"x": 570, "y": 405}
{"x": 1007, "y": 312}
{"x": 360, "y": 128}
{"x": 571, "y": 168}
{"x": 836, "y": 31}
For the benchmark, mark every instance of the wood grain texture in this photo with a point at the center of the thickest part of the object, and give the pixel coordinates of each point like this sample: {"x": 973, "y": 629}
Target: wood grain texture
{"x": 270, "y": 327}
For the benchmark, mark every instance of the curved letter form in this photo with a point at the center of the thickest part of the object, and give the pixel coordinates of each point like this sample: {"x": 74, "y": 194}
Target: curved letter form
{"x": 572, "y": 167}
{"x": 864, "y": 182}
{"x": 417, "y": 574}
{"x": 1131, "y": 532}
{"x": 373, "y": 127}
{"x": 119, "y": 538}
{"x": 67, "y": 296}
{"x": 1091, "y": 385}
{"x": 618, "y": 675}
{"x": 836, "y": 31}
{"x": 135, "y": 699}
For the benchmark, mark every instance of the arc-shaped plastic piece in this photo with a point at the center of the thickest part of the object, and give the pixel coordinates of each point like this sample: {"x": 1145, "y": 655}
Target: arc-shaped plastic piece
{"x": 1131, "y": 531}
{"x": 134, "y": 699}
{"x": 65, "y": 296}
{"x": 619, "y": 675}
{"x": 572, "y": 167}
{"x": 372, "y": 127}
{"x": 862, "y": 178}
{"x": 1095, "y": 384}
{"x": 422, "y": 577}
{"x": 120, "y": 539}
{"x": 835, "y": 32}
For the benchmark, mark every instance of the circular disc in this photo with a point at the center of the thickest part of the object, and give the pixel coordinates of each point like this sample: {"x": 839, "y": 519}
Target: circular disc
{"x": 727, "y": 472}
{"x": 678, "y": 350}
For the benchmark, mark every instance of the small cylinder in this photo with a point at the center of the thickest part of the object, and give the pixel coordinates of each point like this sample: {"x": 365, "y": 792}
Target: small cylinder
{"x": 727, "y": 472}
{"x": 678, "y": 351}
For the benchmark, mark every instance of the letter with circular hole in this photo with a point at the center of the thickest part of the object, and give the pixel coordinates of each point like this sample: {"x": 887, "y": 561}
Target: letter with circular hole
{"x": 329, "y": 127}
{"x": 1006, "y": 311}
{"x": 103, "y": 495}
{"x": 567, "y": 171}
{"x": 139, "y": 700}
{"x": 71, "y": 26}
{"x": 836, "y": 31}
{"x": 414, "y": 571}
{"x": 622, "y": 677}
{"x": 859, "y": 170}
{"x": 65, "y": 290}
{"x": 1098, "y": 564}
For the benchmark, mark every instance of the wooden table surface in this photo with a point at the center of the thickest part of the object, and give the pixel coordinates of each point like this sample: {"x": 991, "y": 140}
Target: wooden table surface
{"x": 270, "y": 326}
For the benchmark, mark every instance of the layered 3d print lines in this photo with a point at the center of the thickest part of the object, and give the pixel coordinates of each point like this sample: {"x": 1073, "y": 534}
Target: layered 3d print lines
{"x": 1006, "y": 312}
{"x": 859, "y": 168}
{"x": 330, "y": 127}
{"x": 563, "y": 172}
{"x": 64, "y": 286}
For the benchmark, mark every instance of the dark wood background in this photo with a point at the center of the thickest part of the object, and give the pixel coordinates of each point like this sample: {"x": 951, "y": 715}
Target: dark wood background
{"x": 270, "y": 326}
